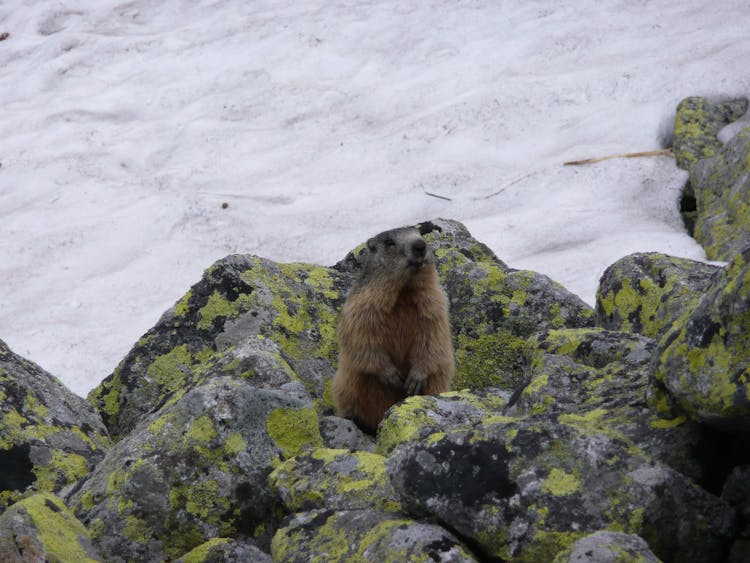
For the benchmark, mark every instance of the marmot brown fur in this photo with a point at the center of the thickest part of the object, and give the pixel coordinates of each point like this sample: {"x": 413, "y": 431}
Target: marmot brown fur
{"x": 393, "y": 333}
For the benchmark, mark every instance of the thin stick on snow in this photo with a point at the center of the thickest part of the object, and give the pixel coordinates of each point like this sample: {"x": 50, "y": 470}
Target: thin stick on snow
{"x": 662, "y": 152}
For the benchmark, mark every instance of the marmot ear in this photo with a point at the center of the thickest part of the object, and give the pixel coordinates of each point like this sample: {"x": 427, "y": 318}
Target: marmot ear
{"x": 372, "y": 245}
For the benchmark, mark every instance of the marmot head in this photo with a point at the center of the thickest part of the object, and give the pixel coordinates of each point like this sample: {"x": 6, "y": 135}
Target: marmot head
{"x": 399, "y": 255}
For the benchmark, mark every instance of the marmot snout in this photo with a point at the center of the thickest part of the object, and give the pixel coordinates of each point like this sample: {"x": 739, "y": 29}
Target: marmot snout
{"x": 393, "y": 332}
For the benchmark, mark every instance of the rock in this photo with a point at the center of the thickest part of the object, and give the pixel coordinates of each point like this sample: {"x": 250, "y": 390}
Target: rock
{"x": 722, "y": 190}
{"x": 249, "y": 318}
{"x": 647, "y": 293}
{"x": 608, "y": 547}
{"x": 197, "y": 469}
{"x": 49, "y": 437}
{"x": 737, "y": 493}
{"x": 704, "y": 361}
{"x": 364, "y": 535}
{"x": 526, "y": 489}
{"x": 274, "y": 323}
{"x": 341, "y": 433}
{"x": 697, "y": 124}
{"x": 41, "y": 528}
{"x": 494, "y": 309}
{"x": 334, "y": 479}
{"x": 422, "y": 415}
{"x": 224, "y": 550}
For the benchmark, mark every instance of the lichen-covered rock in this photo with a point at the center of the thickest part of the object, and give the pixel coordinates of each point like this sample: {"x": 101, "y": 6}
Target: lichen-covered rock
{"x": 605, "y": 379}
{"x": 334, "y": 479}
{"x": 647, "y": 293}
{"x": 247, "y": 317}
{"x": 328, "y": 536}
{"x": 49, "y": 437}
{"x": 704, "y": 360}
{"x": 225, "y": 550}
{"x": 722, "y": 192}
{"x": 608, "y": 547}
{"x": 697, "y": 124}
{"x": 342, "y": 433}
{"x": 41, "y": 528}
{"x": 419, "y": 416}
{"x": 197, "y": 469}
{"x": 494, "y": 309}
{"x": 526, "y": 489}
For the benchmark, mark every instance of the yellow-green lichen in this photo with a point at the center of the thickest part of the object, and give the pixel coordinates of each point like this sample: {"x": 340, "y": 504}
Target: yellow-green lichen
{"x": 58, "y": 529}
{"x": 136, "y": 529}
{"x": 294, "y": 429}
{"x": 203, "y": 551}
{"x": 201, "y": 430}
{"x": 560, "y": 483}
{"x": 62, "y": 469}
{"x": 182, "y": 308}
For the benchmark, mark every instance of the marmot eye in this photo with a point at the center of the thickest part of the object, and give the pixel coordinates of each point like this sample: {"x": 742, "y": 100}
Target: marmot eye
{"x": 389, "y": 242}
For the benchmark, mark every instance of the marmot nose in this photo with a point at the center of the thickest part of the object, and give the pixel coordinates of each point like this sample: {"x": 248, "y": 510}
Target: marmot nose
{"x": 419, "y": 248}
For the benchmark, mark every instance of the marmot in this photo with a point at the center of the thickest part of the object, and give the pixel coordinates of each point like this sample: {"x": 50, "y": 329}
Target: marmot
{"x": 393, "y": 332}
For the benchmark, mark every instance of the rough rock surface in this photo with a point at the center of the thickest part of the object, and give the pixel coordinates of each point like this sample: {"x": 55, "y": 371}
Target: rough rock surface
{"x": 570, "y": 435}
{"x": 608, "y": 547}
{"x": 49, "y": 437}
{"x": 223, "y": 550}
{"x": 704, "y": 361}
{"x": 364, "y": 535}
{"x": 722, "y": 191}
{"x": 647, "y": 293}
{"x": 196, "y": 470}
{"x": 697, "y": 124}
{"x": 525, "y": 489}
{"x": 41, "y": 528}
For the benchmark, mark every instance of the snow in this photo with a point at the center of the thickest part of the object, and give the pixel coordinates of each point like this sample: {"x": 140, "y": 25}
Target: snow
{"x": 126, "y": 125}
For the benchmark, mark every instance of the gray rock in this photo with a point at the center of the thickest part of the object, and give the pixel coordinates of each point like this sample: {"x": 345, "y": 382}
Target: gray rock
{"x": 647, "y": 293}
{"x": 704, "y": 360}
{"x": 527, "y": 489}
{"x": 341, "y": 433}
{"x": 41, "y": 528}
{"x": 334, "y": 479}
{"x": 196, "y": 470}
{"x": 49, "y": 437}
{"x": 224, "y": 550}
{"x": 722, "y": 190}
{"x": 608, "y": 547}
{"x": 697, "y": 124}
{"x": 359, "y": 535}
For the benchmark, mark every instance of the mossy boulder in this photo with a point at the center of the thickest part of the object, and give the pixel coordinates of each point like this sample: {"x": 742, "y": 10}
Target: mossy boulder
{"x": 604, "y": 379}
{"x": 526, "y": 489}
{"x": 420, "y": 416}
{"x": 41, "y": 528}
{"x": 608, "y": 547}
{"x": 328, "y": 536}
{"x": 722, "y": 191}
{"x": 647, "y": 293}
{"x": 704, "y": 360}
{"x": 225, "y": 550}
{"x": 197, "y": 469}
{"x": 334, "y": 479}
{"x": 49, "y": 437}
{"x": 249, "y": 318}
{"x": 697, "y": 124}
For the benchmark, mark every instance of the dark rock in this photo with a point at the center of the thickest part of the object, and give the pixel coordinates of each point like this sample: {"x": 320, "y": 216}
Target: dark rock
{"x": 196, "y": 470}
{"x": 697, "y": 124}
{"x": 526, "y": 489}
{"x": 722, "y": 191}
{"x": 364, "y": 535}
{"x": 41, "y": 528}
{"x": 647, "y": 293}
{"x": 224, "y": 550}
{"x": 340, "y": 433}
{"x": 334, "y": 479}
{"x": 49, "y": 437}
{"x": 608, "y": 547}
{"x": 704, "y": 360}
